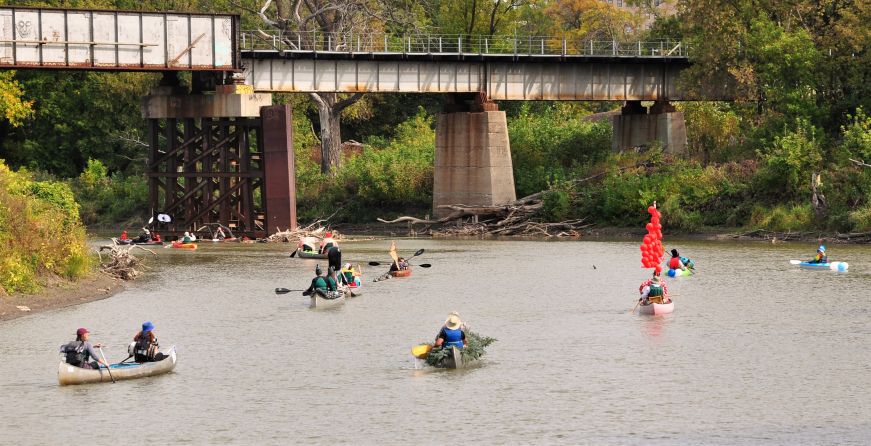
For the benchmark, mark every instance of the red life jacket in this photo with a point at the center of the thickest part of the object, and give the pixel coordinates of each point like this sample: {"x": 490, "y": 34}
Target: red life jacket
{"x": 674, "y": 263}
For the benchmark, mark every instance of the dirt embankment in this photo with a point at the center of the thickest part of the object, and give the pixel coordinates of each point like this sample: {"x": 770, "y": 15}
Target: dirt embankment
{"x": 59, "y": 294}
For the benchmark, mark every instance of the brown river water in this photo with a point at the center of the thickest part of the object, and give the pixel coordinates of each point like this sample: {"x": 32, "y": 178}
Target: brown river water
{"x": 756, "y": 352}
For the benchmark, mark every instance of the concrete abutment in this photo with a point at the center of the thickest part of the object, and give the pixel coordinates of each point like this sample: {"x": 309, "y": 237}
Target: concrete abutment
{"x": 636, "y": 126}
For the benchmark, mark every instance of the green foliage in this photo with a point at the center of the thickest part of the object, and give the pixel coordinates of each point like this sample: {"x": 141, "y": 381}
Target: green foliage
{"x": 793, "y": 157}
{"x": 12, "y": 106}
{"x": 782, "y": 217}
{"x": 857, "y": 135}
{"x": 109, "y": 199}
{"x": 475, "y": 347}
{"x": 40, "y": 232}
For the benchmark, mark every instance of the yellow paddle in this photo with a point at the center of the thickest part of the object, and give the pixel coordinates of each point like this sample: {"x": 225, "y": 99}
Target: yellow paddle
{"x": 420, "y": 351}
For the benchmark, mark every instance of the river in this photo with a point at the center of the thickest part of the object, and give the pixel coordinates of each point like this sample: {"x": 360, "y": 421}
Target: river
{"x": 756, "y": 352}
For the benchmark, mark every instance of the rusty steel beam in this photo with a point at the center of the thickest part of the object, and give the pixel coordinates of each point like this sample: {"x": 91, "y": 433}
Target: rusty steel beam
{"x": 280, "y": 175}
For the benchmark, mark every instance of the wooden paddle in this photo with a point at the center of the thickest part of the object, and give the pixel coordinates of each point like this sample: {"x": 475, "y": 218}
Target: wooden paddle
{"x": 636, "y": 306}
{"x": 108, "y": 369}
{"x": 284, "y": 290}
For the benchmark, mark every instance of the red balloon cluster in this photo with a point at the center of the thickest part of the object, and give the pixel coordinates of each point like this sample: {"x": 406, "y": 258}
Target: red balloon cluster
{"x": 651, "y": 247}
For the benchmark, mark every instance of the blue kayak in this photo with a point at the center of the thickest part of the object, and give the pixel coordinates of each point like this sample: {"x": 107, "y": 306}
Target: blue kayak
{"x": 834, "y": 266}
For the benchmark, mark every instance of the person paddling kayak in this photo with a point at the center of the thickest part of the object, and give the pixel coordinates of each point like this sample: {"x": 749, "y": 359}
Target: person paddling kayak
{"x": 655, "y": 292}
{"x": 451, "y": 334}
{"x": 79, "y": 352}
{"x": 678, "y": 262}
{"x": 821, "y": 256}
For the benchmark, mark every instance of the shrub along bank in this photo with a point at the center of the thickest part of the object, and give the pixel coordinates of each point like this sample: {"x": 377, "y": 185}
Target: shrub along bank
{"x": 41, "y": 233}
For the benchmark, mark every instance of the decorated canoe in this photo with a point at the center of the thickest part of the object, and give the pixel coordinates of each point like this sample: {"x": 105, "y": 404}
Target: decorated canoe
{"x": 454, "y": 360}
{"x": 654, "y": 309}
{"x": 325, "y": 299}
{"x": 179, "y": 245}
{"x": 310, "y": 254}
{"x": 69, "y": 375}
{"x": 401, "y": 273}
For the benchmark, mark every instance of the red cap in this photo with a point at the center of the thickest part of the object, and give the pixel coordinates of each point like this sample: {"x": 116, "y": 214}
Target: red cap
{"x": 81, "y": 331}
{"x": 329, "y": 234}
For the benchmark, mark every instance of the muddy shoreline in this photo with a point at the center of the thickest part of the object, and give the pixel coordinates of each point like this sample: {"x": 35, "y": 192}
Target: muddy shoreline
{"x": 59, "y": 294}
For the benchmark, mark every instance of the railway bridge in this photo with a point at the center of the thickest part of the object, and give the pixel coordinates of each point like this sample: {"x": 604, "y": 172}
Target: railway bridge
{"x": 222, "y": 153}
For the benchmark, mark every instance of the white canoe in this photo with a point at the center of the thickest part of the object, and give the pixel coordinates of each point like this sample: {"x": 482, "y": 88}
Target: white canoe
{"x": 310, "y": 254}
{"x": 332, "y": 299}
{"x": 454, "y": 360}
{"x": 68, "y": 374}
{"x": 654, "y": 309}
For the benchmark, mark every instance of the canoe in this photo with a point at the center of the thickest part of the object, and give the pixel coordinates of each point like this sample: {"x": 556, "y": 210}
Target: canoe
{"x": 834, "y": 266}
{"x": 321, "y": 299}
{"x": 69, "y": 375}
{"x": 309, "y": 254}
{"x": 679, "y": 272}
{"x": 401, "y": 273}
{"x": 178, "y": 245}
{"x": 228, "y": 239}
{"x": 352, "y": 291}
{"x": 151, "y": 242}
{"x": 454, "y": 360}
{"x": 653, "y": 309}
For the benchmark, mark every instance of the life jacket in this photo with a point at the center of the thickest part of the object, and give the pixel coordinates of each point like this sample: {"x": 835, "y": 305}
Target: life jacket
{"x": 76, "y": 354}
{"x": 145, "y": 349}
{"x": 331, "y": 284}
{"x": 675, "y": 263}
{"x": 453, "y": 338}
{"x": 655, "y": 290}
{"x": 349, "y": 275}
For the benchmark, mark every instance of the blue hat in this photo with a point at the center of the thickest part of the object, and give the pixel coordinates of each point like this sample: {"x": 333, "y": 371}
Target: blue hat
{"x": 822, "y": 248}
{"x": 147, "y": 326}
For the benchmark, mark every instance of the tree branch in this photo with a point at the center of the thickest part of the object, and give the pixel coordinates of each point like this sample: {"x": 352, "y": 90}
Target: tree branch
{"x": 347, "y": 102}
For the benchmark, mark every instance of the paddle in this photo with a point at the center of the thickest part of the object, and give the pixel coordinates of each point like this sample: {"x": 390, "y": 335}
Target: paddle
{"x": 284, "y": 290}
{"x": 108, "y": 369}
{"x": 795, "y": 262}
{"x": 387, "y": 274}
{"x": 420, "y": 351}
{"x": 293, "y": 254}
{"x": 422, "y": 265}
{"x": 636, "y": 306}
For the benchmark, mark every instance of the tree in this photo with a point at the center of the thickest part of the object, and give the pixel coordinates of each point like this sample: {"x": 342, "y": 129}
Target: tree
{"x": 304, "y": 21}
{"x": 581, "y": 20}
{"x": 12, "y": 106}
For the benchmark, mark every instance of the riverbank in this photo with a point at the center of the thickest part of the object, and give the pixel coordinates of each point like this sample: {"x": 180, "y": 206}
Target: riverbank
{"x": 59, "y": 294}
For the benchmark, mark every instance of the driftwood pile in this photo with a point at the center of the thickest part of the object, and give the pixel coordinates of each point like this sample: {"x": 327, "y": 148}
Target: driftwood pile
{"x": 776, "y": 237}
{"x": 315, "y": 229}
{"x": 120, "y": 263}
{"x": 513, "y": 219}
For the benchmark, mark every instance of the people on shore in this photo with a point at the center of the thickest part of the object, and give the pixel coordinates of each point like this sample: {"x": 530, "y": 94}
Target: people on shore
{"x": 451, "y": 334}
{"x": 328, "y": 242}
{"x": 655, "y": 292}
{"x": 678, "y": 262}
{"x": 821, "y": 256}
{"x": 145, "y": 348}
{"x": 80, "y": 352}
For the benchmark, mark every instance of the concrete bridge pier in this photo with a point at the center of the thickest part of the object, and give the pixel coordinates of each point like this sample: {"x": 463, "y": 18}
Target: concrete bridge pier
{"x": 636, "y": 126}
{"x": 473, "y": 155}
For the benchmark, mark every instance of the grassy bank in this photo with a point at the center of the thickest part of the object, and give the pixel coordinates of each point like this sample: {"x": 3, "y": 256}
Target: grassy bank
{"x": 41, "y": 234}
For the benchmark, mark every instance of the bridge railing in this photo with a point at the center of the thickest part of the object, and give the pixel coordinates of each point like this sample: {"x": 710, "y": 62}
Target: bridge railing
{"x": 313, "y": 42}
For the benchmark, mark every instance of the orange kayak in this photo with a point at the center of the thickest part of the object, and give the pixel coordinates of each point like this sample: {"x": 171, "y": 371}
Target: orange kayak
{"x": 179, "y": 245}
{"x": 401, "y": 273}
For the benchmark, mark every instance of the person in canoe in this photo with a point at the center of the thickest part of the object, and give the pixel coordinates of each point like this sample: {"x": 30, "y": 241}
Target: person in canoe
{"x": 145, "y": 345}
{"x": 319, "y": 283}
{"x": 649, "y": 282}
{"x": 81, "y": 351}
{"x": 187, "y": 238}
{"x": 655, "y": 292}
{"x": 328, "y": 242}
{"x": 308, "y": 243}
{"x": 451, "y": 334}
{"x": 821, "y": 256}
{"x": 332, "y": 279}
{"x": 678, "y": 262}
{"x": 399, "y": 265}
{"x": 123, "y": 236}
{"x": 155, "y": 237}
{"x": 144, "y": 237}
{"x": 350, "y": 275}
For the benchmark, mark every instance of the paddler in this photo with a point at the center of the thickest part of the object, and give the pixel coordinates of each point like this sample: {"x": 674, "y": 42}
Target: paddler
{"x": 655, "y": 292}
{"x": 678, "y": 262}
{"x": 332, "y": 280}
{"x": 328, "y": 242}
{"x": 145, "y": 345}
{"x": 451, "y": 334}
{"x": 350, "y": 275}
{"x": 123, "y": 235}
{"x": 821, "y": 256}
{"x": 308, "y": 243}
{"x": 334, "y": 258}
{"x": 319, "y": 283}
{"x": 187, "y": 238}
{"x": 649, "y": 282}
{"x": 79, "y": 352}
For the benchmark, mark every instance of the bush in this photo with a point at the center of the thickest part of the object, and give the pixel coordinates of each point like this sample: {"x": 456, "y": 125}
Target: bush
{"x": 108, "y": 199}
{"x": 40, "y": 232}
{"x": 782, "y": 217}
